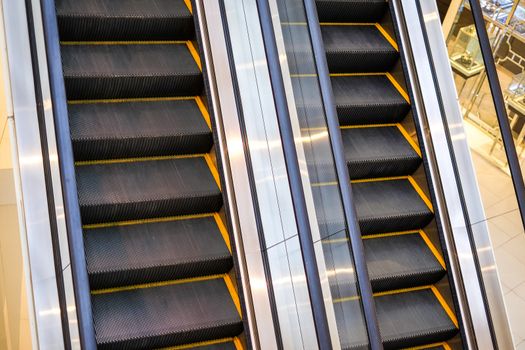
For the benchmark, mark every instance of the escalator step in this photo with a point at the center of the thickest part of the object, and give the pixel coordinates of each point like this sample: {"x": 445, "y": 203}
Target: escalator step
{"x": 146, "y": 189}
{"x": 412, "y": 318}
{"x": 144, "y": 317}
{"x": 378, "y": 152}
{"x": 389, "y": 206}
{"x": 406, "y": 319}
{"x": 368, "y": 99}
{"x": 401, "y": 261}
{"x": 357, "y": 49}
{"x": 221, "y": 346}
{"x": 351, "y": 10}
{"x": 95, "y": 71}
{"x": 91, "y": 20}
{"x": 138, "y": 129}
{"x": 152, "y": 252}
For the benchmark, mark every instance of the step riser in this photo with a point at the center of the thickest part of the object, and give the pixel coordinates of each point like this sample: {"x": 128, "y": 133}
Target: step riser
{"x": 421, "y": 340}
{"x": 351, "y": 11}
{"x": 88, "y": 28}
{"x": 91, "y": 88}
{"x": 151, "y": 209}
{"x": 141, "y": 147}
{"x": 364, "y": 62}
{"x": 371, "y": 169}
{"x": 161, "y": 273}
{"x": 366, "y": 115}
{"x": 408, "y": 281}
{"x": 401, "y": 223}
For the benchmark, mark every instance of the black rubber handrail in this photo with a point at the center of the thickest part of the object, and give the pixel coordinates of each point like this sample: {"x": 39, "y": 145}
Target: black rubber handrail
{"x": 345, "y": 188}
{"x": 296, "y": 188}
{"x": 499, "y": 104}
{"x": 67, "y": 172}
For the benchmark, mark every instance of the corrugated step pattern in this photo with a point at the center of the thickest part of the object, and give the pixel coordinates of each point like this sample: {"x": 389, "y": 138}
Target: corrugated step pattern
{"x": 158, "y": 252}
{"x": 393, "y": 209}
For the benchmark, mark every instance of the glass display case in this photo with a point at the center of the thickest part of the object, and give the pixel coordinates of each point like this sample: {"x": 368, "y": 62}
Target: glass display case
{"x": 465, "y": 56}
{"x": 517, "y": 22}
{"x": 498, "y": 10}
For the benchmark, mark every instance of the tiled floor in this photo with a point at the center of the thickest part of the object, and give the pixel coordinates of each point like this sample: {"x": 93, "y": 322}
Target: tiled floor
{"x": 507, "y": 235}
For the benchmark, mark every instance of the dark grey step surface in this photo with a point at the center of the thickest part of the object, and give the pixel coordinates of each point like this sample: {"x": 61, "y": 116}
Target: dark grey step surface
{"x": 138, "y": 129}
{"x": 378, "y": 152}
{"x": 100, "y": 71}
{"x": 166, "y": 315}
{"x": 401, "y": 261}
{"x": 357, "y": 49}
{"x": 144, "y": 253}
{"x": 146, "y": 189}
{"x": 389, "y": 206}
{"x": 351, "y": 10}
{"x": 405, "y": 320}
{"x": 368, "y": 99}
{"x": 88, "y": 20}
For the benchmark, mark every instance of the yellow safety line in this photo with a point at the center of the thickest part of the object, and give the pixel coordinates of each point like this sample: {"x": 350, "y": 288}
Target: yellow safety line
{"x": 199, "y": 344}
{"x": 357, "y": 74}
{"x": 153, "y": 42}
{"x": 347, "y": 24}
{"x": 204, "y": 110}
{"x": 410, "y": 140}
{"x": 421, "y": 193}
{"x": 428, "y": 346}
{"x": 155, "y": 284}
{"x": 194, "y": 53}
{"x": 389, "y": 234}
{"x": 387, "y": 36}
{"x": 363, "y": 126}
{"x": 188, "y": 5}
{"x": 445, "y": 306}
{"x": 233, "y": 293}
{"x": 223, "y": 230}
{"x": 376, "y": 179}
{"x": 125, "y": 100}
{"x": 433, "y": 248}
{"x": 398, "y": 291}
{"x": 213, "y": 170}
{"x": 237, "y": 343}
{"x": 134, "y": 160}
{"x": 398, "y": 87}
{"x": 147, "y": 221}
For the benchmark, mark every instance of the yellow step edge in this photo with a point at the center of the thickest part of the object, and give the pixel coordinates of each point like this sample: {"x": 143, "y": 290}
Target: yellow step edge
{"x": 399, "y": 291}
{"x": 199, "y": 344}
{"x": 377, "y": 179}
{"x": 398, "y": 87}
{"x": 127, "y": 100}
{"x": 141, "y": 42}
{"x": 223, "y": 230}
{"x": 194, "y": 54}
{"x": 390, "y": 234}
{"x": 409, "y": 139}
{"x": 445, "y": 306}
{"x": 156, "y": 284}
{"x": 348, "y": 24}
{"x": 138, "y": 159}
{"x": 365, "y": 126}
{"x": 421, "y": 193}
{"x": 433, "y": 249}
{"x": 213, "y": 170}
{"x": 204, "y": 111}
{"x": 233, "y": 293}
{"x": 188, "y": 5}
{"x": 387, "y": 36}
{"x": 237, "y": 343}
{"x": 148, "y": 221}
{"x": 429, "y": 346}
{"x": 357, "y": 74}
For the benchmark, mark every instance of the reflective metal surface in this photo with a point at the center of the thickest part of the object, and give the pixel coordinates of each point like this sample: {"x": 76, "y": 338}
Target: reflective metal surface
{"x": 32, "y": 200}
{"x": 241, "y": 204}
{"x": 459, "y": 194}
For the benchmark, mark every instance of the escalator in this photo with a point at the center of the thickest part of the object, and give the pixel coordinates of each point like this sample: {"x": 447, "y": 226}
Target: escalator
{"x": 158, "y": 252}
{"x": 407, "y": 270}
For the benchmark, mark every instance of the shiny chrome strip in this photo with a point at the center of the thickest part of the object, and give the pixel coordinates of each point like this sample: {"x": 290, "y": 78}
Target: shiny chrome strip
{"x": 241, "y": 204}
{"x": 464, "y": 270}
{"x": 29, "y": 176}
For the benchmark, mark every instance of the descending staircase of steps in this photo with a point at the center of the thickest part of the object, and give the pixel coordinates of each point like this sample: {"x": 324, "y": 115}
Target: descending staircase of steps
{"x": 158, "y": 252}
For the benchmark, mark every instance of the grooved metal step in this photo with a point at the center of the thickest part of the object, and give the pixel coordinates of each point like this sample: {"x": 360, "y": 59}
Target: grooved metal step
{"x": 166, "y": 315}
{"x": 368, "y": 99}
{"x": 138, "y": 129}
{"x": 159, "y": 251}
{"x": 146, "y": 189}
{"x": 100, "y": 71}
{"x": 357, "y": 49}
{"x": 89, "y": 20}
{"x": 351, "y": 10}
